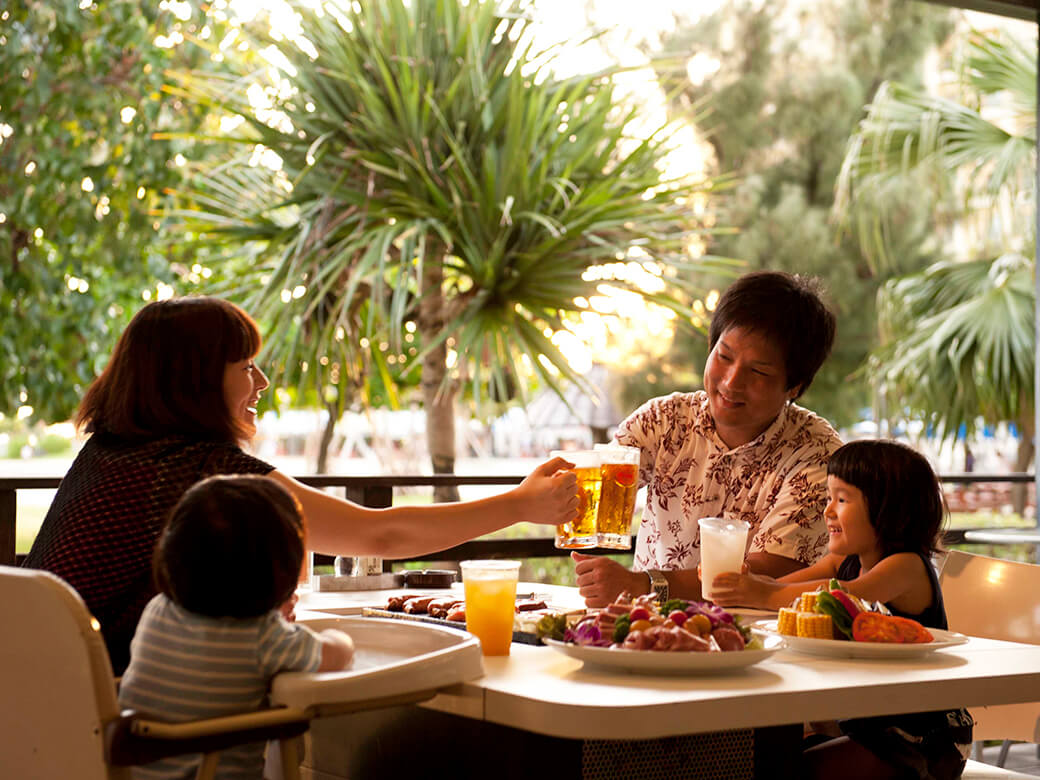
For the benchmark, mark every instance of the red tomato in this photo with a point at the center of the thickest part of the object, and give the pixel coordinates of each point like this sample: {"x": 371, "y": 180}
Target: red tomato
{"x": 875, "y": 627}
{"x": 678, "y": 617}
{"x": 639, "y": 613}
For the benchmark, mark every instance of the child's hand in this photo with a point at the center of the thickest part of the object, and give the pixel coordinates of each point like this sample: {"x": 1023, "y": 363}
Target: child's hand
{"x": 743, "y": 590}
{"x": 337, "y": 650}
{"x": 288, "y": 609}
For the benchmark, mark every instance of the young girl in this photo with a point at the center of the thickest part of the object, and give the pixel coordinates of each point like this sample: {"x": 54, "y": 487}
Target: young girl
{"x": 883, "y": 519}
{"x": 226, "y": 565}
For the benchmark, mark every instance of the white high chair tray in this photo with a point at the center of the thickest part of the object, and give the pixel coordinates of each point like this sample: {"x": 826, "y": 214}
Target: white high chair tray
{"x": 391, "y": 658}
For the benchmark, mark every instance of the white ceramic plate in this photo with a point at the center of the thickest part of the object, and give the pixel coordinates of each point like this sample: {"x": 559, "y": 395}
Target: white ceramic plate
{"x": 841, "y": 649}
{"x": 650, "y": 662}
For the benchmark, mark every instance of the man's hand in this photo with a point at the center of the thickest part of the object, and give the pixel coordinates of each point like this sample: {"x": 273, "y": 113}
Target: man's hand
{"x": 600, "y": 579}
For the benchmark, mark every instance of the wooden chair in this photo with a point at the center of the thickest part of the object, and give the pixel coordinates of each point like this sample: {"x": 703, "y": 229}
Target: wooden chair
{"x": 59, "y": 715}
{"x": 995, "y": 599}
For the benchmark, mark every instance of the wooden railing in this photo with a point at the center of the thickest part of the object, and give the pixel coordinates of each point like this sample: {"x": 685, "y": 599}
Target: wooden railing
{"x": 378, "y": 492}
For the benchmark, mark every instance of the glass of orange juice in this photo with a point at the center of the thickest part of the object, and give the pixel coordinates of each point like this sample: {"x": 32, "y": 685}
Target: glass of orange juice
{"x": 490, "y": 588}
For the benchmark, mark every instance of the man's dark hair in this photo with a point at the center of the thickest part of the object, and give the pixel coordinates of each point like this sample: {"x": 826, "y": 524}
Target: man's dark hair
{"x": 904, "y": 497}
{"x": 786, "y": 309}
{"x": 232, "y": 547}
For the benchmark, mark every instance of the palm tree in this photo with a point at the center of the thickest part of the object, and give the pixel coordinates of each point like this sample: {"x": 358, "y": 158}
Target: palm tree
{"x": 434, "y": 166}
{"x": 958, "y": 338}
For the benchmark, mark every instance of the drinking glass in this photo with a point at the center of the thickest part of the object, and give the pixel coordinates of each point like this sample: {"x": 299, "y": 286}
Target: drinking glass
{"x": 490, "y": 589}
{"x": 580, "y": 533}
{"x": 619, "y": 471}
{"x": 723, "y": 541}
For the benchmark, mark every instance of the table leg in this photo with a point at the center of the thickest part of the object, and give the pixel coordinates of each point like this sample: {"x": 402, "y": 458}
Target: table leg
{"x": 778, "y": 751}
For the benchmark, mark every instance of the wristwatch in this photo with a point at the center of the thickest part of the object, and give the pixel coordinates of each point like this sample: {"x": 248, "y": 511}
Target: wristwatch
{"x": 658, "y": 584}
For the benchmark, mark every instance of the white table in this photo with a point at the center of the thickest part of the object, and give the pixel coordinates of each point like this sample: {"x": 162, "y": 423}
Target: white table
{"x": 537, "y": 691}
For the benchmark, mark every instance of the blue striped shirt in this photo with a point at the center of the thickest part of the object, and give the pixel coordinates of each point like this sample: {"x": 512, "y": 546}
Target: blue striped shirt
{"x": 185, "y": 666}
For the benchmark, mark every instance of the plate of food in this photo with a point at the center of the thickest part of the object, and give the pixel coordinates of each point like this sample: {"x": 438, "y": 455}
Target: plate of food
{"x": 678, "y": 638}
{"x": 831, "y": 621}
{"x": 673, "y": 663}
{"x": 849, "y": 648}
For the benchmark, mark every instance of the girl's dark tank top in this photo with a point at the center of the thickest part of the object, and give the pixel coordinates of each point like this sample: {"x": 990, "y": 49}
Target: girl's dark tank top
{"x": 934, "y": 616}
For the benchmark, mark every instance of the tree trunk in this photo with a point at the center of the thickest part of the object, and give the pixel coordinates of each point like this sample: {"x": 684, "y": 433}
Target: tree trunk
{"x": 1023, "y": 456}
{"x": 438, "y": 401}
{"x": 326, "y": 440}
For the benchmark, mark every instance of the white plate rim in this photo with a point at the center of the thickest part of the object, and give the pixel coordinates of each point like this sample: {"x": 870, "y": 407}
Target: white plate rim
{"x": 837, "y": 648}
{"x": 651, "y": 662}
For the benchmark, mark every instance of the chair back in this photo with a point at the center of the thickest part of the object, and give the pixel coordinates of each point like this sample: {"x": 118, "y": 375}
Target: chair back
{"x": 56, "y": 681}
{"x": 995, "y": 599}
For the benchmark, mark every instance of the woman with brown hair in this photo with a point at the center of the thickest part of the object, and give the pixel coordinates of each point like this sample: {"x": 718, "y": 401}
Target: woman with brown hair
{"x": 172, "y": 407}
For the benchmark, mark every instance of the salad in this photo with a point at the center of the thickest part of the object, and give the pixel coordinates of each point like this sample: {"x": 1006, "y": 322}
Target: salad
{"x": 643, "y": 623}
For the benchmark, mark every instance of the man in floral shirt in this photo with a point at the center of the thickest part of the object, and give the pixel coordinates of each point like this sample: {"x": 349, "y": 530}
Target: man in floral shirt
{"x": 739, "y": 448}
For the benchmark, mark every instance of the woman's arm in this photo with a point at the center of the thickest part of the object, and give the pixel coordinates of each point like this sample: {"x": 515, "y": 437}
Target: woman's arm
{"x": 339, "y": 527}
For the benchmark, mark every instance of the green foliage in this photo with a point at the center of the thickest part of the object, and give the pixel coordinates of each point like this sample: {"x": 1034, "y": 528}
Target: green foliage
{"x": 81, "y": 178}
{"x": 957, "y": 343}
{"x": 972, "y": 164}
{"x": 431, "y": 158}
{"x": 958, "y": 338}
{"x": 780, "y": 116}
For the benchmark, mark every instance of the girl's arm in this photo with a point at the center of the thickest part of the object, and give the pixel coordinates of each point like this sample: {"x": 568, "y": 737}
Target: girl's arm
{"x": 340, "y": 527}
{"x": 755, "y": 590}
{"x": 900, "y": 580}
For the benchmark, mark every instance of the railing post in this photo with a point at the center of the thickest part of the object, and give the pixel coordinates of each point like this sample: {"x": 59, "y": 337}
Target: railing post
{"x": 374, "y": 496}
{"x": 8, "y": 515}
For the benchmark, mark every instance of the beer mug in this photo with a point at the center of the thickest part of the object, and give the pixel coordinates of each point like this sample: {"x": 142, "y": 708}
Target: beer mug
{"x": 580, "y": 533}
{"x": 619, "y": 472}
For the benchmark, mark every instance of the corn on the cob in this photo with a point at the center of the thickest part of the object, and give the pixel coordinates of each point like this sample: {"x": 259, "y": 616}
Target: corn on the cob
{"x": 813, "y": 626}
{"x": 807, "y": 602}
{"x": 787, "y": 622}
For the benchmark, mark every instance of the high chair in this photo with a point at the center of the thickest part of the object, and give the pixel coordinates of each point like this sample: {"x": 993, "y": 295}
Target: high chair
{"x": 59, "y": 716}
{"x": 995, "y": 599}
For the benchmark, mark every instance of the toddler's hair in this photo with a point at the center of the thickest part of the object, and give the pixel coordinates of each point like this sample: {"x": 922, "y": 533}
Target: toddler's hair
{"x": 232, "y": 547}
{"x": 904, "y": 498}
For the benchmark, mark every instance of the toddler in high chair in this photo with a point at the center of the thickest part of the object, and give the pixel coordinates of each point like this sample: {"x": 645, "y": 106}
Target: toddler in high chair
{"x": 226, "y": 566}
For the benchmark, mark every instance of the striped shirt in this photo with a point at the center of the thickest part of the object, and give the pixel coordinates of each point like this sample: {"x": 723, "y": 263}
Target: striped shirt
{"x": 185, "y": 666}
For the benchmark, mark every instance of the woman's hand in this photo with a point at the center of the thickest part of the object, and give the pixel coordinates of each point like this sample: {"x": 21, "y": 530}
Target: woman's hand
{"x": 600, "y": 579}
{"x": 730, "y": 589}
{"x": 549, "y": 494}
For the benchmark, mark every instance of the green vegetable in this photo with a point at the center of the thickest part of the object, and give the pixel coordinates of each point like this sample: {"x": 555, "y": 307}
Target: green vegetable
{"x": 674, "y": 604}
{"x": 828, "y": 605}
{"x": 834, "y": 585}
{"x": 551, "y": 626}
{"x": 621, "y": 626}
